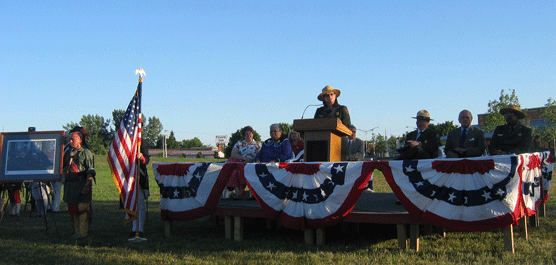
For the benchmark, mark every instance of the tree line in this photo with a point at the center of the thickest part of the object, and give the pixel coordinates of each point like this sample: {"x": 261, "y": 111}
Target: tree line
{"x": 101, "y": 133}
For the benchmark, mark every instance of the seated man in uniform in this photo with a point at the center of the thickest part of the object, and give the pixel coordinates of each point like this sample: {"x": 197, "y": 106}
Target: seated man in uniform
{"x": 422, "y": 143}
{"x": 512, "y": 137}
{"x": 466, "y": 141}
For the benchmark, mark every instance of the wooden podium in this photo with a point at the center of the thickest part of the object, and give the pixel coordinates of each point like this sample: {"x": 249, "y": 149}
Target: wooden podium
{"x": 323, "y": 138}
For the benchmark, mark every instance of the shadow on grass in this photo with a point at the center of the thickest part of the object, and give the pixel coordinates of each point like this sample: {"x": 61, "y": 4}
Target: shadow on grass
{"x": 203, "y": 234}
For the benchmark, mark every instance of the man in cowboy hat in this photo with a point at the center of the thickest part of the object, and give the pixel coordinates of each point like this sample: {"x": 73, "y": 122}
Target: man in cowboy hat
{"x": 332, "y": 109}
{"x": 512, "y": 137}
{"x": 466, "y": 141}
{"x": 422, "y": 143}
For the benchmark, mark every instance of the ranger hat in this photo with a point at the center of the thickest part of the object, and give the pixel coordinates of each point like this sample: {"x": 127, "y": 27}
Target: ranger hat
{"x": 513, "y": 109}
{"x": 328, "y": 89}
{"x": 423, "y": 115}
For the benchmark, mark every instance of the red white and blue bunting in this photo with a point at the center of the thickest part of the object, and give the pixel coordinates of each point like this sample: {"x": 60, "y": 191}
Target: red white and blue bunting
{"x": 307, "y": 195}
{"x": 464, "y": 194}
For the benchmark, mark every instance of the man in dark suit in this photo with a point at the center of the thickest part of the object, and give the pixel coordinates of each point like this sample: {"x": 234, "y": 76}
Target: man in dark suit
{"x": 511, "y": 138}
{"x": 356, "y": 146}
{"x": 422, "y": 143}
{"x": 465, "y": 141}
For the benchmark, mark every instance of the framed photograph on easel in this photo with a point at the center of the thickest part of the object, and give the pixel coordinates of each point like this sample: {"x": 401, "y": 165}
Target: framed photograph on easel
{"x": 31, "y": 156}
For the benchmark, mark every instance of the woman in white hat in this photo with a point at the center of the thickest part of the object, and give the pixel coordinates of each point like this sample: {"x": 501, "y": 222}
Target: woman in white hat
{"x": 331, "y": 108}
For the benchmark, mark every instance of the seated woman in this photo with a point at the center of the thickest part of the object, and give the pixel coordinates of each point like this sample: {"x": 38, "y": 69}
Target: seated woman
{"x": 243, "y": 151}
{"x": 297, "y": 146}
{"x": 277, "y": 148}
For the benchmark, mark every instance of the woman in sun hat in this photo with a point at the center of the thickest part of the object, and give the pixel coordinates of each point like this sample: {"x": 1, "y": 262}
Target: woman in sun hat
{"x": 332, "y": 109}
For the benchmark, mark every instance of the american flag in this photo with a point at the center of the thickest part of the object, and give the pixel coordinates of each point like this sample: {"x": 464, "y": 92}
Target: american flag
{"x": 122, "y": 155}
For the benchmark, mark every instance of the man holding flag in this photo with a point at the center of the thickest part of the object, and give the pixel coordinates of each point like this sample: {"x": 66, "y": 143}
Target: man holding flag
{"x": 124, "y": 151}
{"x": 142, "y": 191}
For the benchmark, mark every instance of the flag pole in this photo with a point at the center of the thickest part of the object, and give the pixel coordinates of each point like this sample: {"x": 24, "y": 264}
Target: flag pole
{"x": 137, "y": 237}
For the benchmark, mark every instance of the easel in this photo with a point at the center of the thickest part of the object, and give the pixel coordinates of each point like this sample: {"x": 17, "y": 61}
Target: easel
{"x": 4, "y": 203}
{"x": 34, "y": 157}
{"x": 44, "y": 211}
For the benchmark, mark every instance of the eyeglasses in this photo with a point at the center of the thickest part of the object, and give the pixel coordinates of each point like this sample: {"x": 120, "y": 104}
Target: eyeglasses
{"x": 274, "y": 131}
{"x": 509, "y": 114}
{"x": 330, "y": 95}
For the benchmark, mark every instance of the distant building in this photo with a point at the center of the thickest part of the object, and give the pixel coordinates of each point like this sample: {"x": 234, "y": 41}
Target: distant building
{"x": 208, "y": 152}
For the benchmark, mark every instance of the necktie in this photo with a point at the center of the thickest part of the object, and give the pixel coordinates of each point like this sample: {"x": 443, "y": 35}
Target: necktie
{"x": 418, "y": 134}
{"x": 462, "y": 138}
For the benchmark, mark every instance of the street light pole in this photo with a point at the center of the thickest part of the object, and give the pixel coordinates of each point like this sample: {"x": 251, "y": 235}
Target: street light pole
{"x": 367, "y": 131}
{"x": 165, "y": 148}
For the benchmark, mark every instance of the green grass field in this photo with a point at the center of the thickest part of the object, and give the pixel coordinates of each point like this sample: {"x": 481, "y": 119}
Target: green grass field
{"x": 25, "y": 239}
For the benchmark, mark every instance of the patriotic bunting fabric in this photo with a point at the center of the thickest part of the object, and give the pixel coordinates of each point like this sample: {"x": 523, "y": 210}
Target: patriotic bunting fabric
{"x": 464, "y": 194}
{"x": 468, "y": 194}
{"x": 122, "y": 155}
{"x": 547, "y": 167}
{"x": 189, "y": 191}
{"x": 308, "y": 195}
{"x": 531, "y": 176}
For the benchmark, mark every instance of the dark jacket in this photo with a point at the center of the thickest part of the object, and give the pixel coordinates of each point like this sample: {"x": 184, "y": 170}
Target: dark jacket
{"x": 430, "y": 142}
{"x": 143, "y": 173}
{"x": 338, "y": 111}
{"x": 474, "y": 144}
{"x": 516, "y": 142}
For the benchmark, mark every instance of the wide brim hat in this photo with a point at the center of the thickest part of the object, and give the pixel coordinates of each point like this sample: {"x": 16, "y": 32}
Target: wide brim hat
{"x": 513, "y": 109}
{"x": 328, "y": 89}
{"x": 424, "y": 115}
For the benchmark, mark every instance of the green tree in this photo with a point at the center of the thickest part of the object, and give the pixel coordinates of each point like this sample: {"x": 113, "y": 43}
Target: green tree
{"x": 392, "y": 142}
{"x": 171, "y": 142}
{"x": 159, "y": 142}
{"x": 117, "y": 116}
{"x": 547, "y": 133}
{"x": 99, "y": 134}
{"x": 493, "y": 117}
{"x": 195, "y": 142}
{"x": 381, "y": 144}
{"x": 152, "y": 130}
{"x": 236, "y": 136}
{"x": 443, "y": 128}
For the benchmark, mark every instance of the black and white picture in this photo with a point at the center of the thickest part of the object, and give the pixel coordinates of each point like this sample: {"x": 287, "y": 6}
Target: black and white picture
{"x": 31, "y": 156}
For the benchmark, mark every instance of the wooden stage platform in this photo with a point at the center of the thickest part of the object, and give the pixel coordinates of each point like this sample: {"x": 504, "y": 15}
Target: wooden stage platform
{"x": 373, "y": 208}
{"x": 377, "y": 208}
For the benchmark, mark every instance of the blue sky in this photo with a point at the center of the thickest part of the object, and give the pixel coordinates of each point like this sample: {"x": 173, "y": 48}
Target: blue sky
{"x": 215, "y": 66}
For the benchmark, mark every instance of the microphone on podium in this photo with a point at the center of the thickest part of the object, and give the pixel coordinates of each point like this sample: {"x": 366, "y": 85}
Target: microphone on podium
{"x": 309, "y": 106}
